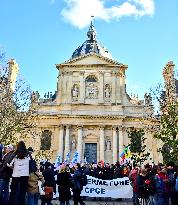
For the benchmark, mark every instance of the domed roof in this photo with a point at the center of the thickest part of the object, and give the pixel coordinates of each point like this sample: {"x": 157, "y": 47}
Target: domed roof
{"x": 91, "y": 45}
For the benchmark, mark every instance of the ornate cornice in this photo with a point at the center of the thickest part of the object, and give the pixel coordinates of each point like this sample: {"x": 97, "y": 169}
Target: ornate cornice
{"x": 102, "y": 127}
{"x": 92, "y": 116}
{"x": 89, "y": 66}
{"x": 79, "y": 127}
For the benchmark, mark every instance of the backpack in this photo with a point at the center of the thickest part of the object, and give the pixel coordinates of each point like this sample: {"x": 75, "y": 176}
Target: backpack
{"x": 159, "y": 185}
{"x": 147, "y": 189}
{"x": 48, "y": 192}
{"x": 83, "y": 179}
{"x": 176, "y": 185}
{"x": 171, "y": 178}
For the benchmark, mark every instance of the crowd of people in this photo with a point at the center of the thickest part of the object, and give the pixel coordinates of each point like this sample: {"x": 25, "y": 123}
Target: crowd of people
{"x": 155, "y": 185}
{"x": 20, "y": 179}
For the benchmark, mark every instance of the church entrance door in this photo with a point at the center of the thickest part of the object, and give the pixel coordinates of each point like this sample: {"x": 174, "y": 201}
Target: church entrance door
{"x": 91, "y": 152}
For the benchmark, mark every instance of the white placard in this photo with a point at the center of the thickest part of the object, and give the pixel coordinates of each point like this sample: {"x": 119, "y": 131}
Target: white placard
{"x": 116, "y": 188}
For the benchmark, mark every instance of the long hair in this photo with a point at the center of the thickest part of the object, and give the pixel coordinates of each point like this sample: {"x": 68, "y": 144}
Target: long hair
{"x": 21, "y": 151}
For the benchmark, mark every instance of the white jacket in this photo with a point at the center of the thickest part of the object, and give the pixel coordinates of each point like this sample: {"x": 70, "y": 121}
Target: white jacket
{"x": 20, "y": 167}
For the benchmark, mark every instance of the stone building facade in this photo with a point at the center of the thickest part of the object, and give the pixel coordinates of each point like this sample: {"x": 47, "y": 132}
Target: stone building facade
{"x": 91, "y": 111}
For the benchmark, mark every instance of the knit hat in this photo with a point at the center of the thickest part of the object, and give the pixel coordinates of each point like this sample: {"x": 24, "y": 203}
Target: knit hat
{"x": 10, "y": 146}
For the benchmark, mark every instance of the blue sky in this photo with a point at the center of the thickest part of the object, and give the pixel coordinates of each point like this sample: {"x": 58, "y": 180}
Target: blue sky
{"x": 41, "y": 33}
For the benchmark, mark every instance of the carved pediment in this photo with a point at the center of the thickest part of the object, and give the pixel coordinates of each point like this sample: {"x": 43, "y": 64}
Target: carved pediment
{"x": 90, "y": 59}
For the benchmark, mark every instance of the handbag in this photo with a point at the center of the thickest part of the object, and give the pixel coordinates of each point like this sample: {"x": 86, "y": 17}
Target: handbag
{"x": 48, "y": 192}
{"x": 40, "y": 185}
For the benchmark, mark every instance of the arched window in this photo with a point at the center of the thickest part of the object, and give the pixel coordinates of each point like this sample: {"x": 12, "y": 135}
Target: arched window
{"x": 91, "y": 79}
{"x": 46, "y": 140}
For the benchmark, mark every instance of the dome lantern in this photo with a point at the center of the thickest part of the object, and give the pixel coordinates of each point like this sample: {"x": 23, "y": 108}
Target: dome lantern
{"x": 91, "y": 45}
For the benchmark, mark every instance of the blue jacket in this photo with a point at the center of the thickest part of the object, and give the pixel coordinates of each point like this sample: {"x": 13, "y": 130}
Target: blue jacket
{"x": 77, "y": 180}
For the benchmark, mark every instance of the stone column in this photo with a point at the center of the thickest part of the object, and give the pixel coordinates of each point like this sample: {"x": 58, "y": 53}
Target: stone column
{"x": 121, "y": 140}
{"x": 101, "y": 87}
{"x": 67, "y": 141}
{"x": 122, "y": 85}
{"x": 113, "y": 97}
{"x": 59, "y": 87}
{"x": 79, "y": 142}
{"x": 64, "y": 88}
{"x": 150, "y": 143}
{"x": 118, "y": 90}
{"x": 114, "y": 142}
{"x": 102, "y": 143}
{"x": 61, "y": 142}
{"x": 82, "y": 87}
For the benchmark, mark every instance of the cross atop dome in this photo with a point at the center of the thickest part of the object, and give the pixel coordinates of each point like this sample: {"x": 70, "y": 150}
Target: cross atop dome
{"x": 91, "y": 32}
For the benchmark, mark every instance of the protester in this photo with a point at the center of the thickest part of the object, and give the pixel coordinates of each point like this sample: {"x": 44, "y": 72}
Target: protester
{"x": 142, "y": 184}
{"x": 161, "y": 196}
{"x": 153, "y": 185}
{"x": 133, "y": 178}
{"x": 20, "y": 175}
{"x": 170, "y": 174}
{"x": 5, "y": 175}
{"x": 175, "y": 195}
{"x": 1, "y": 148}
{"x": 49, "y": 184}
{"x": 77, "y": 185}
{"x": 108, "y": 173}
{"x": 98, "y": 171}
{"x": 118, "y": 171}
{"x": 64, "y": 181}
{"x": 33, "y": 188}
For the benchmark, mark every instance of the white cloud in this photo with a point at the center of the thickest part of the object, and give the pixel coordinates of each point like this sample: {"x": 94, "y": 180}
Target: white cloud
{"x": 78, "y": 12}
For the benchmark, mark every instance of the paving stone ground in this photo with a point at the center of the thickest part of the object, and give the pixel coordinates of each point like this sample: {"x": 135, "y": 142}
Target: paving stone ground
{"x": 103, "y": 202}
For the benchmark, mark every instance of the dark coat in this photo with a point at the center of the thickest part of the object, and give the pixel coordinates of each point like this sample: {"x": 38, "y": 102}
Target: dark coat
{"x": 48, "y": 175}
{"x": 5, "y": 171}
{"x": 98, "y": 172}
{"x": 77, "y": 185}
{"x": 108, "y": 173}
{"x": 118, "y": 172}
{"x": 64, "y": 182}
{"x": 140, "y": 180}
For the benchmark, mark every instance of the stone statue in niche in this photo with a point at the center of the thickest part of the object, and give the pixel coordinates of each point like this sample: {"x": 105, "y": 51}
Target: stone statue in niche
{"x": 148, "y": 99}
{"x": 73, "y": 143}
{"x": 108, "y": 145}
{"x": 35, "y": 96}
{"x": 75, "y": 91}
{"x": 107, "y": 91}
{"x": 91, "y": 90}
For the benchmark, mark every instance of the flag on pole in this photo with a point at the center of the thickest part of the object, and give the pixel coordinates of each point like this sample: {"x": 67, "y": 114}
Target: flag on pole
{"x": 122, "y": 155}
{"x": 102, "y": 163}
{"x": 126, "y": 154}
{"x": 76, "y": 158}
{"x": 57, "y": 161}
{"x": 67, "y": 157}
